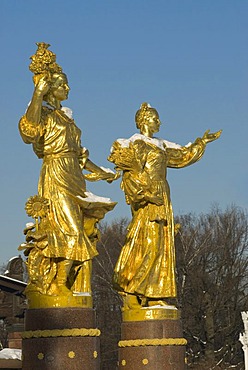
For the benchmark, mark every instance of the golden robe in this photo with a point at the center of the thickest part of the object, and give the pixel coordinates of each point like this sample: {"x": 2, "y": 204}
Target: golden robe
{"x": 57, "y": 140}
{"x": 146, "y": 265}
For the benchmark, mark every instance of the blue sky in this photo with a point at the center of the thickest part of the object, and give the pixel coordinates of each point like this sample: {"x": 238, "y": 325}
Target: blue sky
{"x": 187, "y": 58}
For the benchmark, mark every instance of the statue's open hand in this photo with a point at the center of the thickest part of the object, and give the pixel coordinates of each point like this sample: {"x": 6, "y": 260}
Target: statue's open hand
{"x": 208, "y": 136}
{"x": 102, "y": 175}
{"x": 114, "y": 176}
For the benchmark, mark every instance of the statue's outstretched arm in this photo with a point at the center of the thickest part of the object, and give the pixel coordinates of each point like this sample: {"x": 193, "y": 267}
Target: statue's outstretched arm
{"x": 187, "y": 155}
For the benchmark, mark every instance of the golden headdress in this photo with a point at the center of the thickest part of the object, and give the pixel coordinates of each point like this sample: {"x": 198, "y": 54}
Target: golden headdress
{"x": 43, "y": 62}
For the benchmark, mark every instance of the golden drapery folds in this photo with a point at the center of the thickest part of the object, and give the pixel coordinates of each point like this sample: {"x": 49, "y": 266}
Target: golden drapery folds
{"x": 61, "y": 244}
{"x": 146, "y": 265}
{"x": 70, "y": 229}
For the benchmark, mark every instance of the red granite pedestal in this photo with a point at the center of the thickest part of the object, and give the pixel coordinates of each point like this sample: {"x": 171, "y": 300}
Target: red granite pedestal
{"x": 61, "y": 338}
{"x": 153, "y": 343}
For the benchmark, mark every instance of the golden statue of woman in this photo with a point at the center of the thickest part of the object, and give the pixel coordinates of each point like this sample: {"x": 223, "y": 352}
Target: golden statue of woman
{"x": 61, "y": 246}
{"x": 145, "y": 271}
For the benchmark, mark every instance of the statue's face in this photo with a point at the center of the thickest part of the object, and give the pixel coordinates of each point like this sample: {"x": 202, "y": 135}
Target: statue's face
{"x": 153, "y": 122}
{"x": 60, "y": 89}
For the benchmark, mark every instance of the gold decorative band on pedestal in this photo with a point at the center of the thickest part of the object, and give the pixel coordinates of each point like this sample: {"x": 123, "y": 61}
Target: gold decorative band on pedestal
{"x": 149, "y": 313}
{"x": 37, "y": 300}
{"x": 61, "y": 333}
{"x": 153, "y": 342}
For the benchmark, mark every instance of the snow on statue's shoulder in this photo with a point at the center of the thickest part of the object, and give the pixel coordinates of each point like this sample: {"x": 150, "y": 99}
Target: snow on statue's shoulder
{"x": 169, "y": 144}
{"x": 160, "y": 143}
{"x": 68, "y": 112}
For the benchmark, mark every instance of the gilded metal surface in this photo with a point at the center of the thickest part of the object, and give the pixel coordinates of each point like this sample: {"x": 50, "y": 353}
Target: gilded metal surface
{"x": 61, "y": 333}
{"x": 146, "y": 266}
{"x": 150, "y": 313}
{"x": 61, "y": 244}
{"x": 36, "y": 301}
{"x": 153, "y": 342}
{"x": 71, "y": 354}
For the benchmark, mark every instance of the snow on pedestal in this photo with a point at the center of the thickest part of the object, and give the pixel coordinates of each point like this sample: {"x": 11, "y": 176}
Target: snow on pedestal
{"x": 11, "y": 354}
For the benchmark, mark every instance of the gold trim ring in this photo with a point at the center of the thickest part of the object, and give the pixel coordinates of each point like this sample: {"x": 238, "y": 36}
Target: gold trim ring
{"x": 61, "y": 333}
{"x": 153, "y": 342}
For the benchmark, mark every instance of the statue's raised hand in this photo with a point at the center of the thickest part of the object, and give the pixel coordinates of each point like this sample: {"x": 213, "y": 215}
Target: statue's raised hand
{"x": 42, "y": 86}
{"x": 208, "y": 136}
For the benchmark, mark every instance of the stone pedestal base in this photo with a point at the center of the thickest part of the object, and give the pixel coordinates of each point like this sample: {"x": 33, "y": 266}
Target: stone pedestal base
{"x": 61, "y": 338}
{"x": 152, "y": 344}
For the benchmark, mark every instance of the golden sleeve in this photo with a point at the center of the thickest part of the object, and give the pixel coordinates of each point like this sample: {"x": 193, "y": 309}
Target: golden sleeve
{"x": 30, "y": 131}
{"x": 186, "y": 155}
